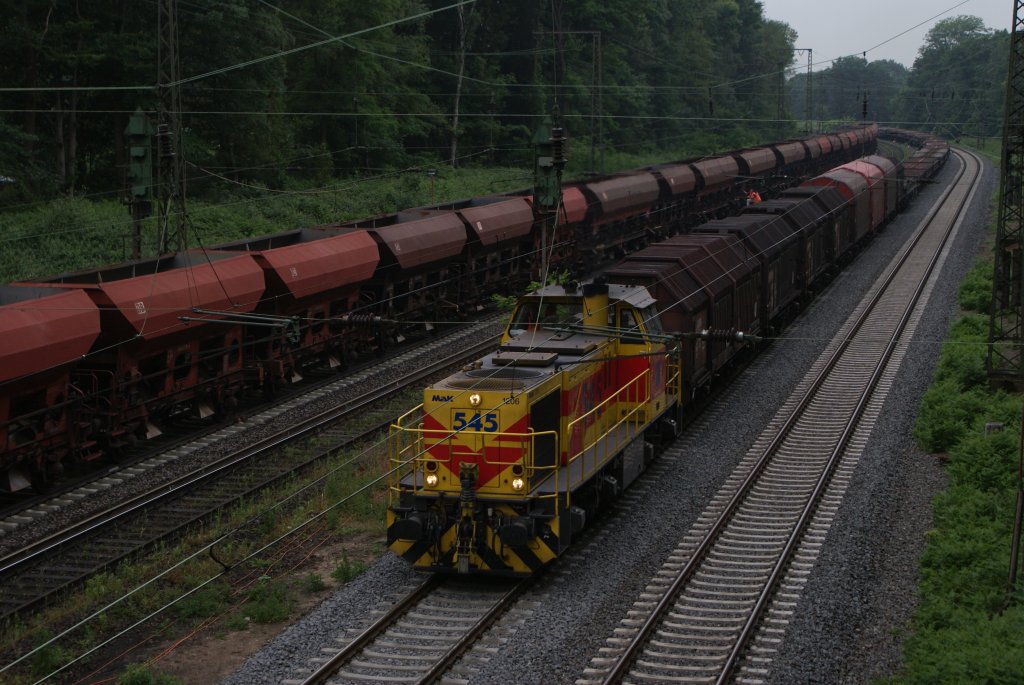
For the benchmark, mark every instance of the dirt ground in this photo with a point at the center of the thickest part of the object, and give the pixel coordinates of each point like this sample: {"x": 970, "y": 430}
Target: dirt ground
{"x": 217, "y": 651}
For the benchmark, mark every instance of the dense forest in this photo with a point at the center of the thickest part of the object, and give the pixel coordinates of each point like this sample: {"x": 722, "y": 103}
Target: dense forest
{"x": 389, "y": 83}
{"x": 955, "y": 87}
{"x": 323, "y": 110}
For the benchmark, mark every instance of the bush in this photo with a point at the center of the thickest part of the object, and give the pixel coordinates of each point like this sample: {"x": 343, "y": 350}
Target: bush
{"x": 976, "y": 289}
{"x": 947, "y": 414}
{"x": 963, "y": 356}
{"x": 47, "y": 660}
{"x": 980, "y": 648}
{"x": 985, "y": 462}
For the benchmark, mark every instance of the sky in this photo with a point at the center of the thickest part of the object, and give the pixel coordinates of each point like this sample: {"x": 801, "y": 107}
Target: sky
{"x": 832, "y": 28}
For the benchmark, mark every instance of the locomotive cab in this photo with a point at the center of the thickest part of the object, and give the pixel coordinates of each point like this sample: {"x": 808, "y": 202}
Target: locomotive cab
{"x": 506, "y": 460}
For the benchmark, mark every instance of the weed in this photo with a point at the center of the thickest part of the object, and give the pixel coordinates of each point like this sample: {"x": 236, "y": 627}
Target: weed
{"x": 347, "y": 570}
{"x": 102, "y": 587}
{"x": 238, "y": 622}
{"x": 268, "y": 602}
{"x": 210, "y": 601}
{"x": 313, "y": 583}
{"x": 47, "y": 660}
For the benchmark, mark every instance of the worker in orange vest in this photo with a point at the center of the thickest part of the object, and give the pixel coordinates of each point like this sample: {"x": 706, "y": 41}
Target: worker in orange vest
{"x": 753, "y": 197}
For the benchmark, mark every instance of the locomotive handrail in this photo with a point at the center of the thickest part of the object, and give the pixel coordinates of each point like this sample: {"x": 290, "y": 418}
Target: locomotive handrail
{"x": 415, "y": 453}
{"x": 614, "y": 397}
{"x": 611, "y": 434}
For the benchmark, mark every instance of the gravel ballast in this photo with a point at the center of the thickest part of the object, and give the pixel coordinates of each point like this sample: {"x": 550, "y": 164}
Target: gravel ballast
{"x": 862, "y": 589}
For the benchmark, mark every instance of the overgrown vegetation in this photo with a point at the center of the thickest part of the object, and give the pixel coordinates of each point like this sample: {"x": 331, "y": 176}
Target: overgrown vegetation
{"x": 963, "y": 632}
{"x": 73, "y": 234}
{"x": 257, "y": 591}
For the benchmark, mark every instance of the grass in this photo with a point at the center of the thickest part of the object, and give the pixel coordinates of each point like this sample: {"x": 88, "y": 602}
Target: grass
{"x": 76, "y": 234}
{"x": 137, "y": 674}
{"x": 990, "y": 147}
{"x": 72, "y": 234}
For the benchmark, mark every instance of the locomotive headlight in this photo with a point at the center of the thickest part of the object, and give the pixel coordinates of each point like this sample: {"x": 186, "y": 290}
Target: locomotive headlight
{"x": 474, "y": 400}
{"x": 431, "y": 480}
{"x": 517, "y": 484}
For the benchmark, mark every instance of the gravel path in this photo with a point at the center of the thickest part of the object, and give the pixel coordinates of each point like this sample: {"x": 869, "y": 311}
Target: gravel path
{"x": 841, "y": 636}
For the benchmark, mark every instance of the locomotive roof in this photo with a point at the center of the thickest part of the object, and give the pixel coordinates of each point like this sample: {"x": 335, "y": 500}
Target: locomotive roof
{"x": 525, "y": 361}
{"x": 531, "y": 357}
{"x": 635, "y": 295}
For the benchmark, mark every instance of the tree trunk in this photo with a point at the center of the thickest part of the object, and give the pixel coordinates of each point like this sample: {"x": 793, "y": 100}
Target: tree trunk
{"x": 458, "y": 83}
{"x": 72, "y": 146}
{"x": 58, "y": 139}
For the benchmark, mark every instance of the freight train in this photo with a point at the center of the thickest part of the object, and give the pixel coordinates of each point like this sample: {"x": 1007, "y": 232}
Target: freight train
{"x": 96, "y": 361}
{"x": 506, "y": 461}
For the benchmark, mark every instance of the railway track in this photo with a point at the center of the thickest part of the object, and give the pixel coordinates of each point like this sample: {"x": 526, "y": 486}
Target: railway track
{"x": 421, "y": 636}
{"x": 47, "y": 567}
{"x": 717, "y": 609}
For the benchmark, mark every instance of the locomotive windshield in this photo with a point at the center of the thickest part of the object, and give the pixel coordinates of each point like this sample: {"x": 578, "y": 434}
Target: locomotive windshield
{"x": 533, "y": 313}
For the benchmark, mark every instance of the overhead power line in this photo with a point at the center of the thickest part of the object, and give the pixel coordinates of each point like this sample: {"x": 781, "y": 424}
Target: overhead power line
{"x": 326, "y": 41}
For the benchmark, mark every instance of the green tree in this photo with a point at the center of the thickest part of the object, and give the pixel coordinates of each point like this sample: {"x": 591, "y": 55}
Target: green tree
{"x": 238, "y": 129}
{"x": 841, "y": 89}
{"x": 957, "y": 83}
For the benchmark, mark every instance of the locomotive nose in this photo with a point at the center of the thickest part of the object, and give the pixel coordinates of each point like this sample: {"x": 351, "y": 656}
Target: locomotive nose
{"x": 467, "y": 478}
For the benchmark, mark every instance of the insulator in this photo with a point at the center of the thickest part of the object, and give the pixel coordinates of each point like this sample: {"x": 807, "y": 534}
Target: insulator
{"x": 731, "y": 335}
{"x": 558, "y": 145}
{"x": 357, "y": 319}
{"x": 163, "y": 134}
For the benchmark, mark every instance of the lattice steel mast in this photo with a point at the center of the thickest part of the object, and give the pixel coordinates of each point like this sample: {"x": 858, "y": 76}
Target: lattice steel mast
{"x": 808, "y": 90}
{"x": 171, "y": 174}
{"x": 1006, "y": 328}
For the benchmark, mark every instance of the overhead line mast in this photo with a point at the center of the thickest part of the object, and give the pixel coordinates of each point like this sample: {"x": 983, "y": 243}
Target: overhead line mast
{"x": 171, "y": 174}
{"x": 1006, "y": 325}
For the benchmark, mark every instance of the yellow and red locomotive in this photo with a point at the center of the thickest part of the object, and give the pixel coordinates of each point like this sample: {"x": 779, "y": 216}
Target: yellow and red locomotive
{"x": 506, "y": 461}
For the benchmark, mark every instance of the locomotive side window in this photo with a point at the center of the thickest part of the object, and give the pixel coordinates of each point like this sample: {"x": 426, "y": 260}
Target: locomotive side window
{"x": 652, "y": 322}
{"x": 528, "y": 316}
{"x": 525, "y": 319}
{"x": 630, "y": 326}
